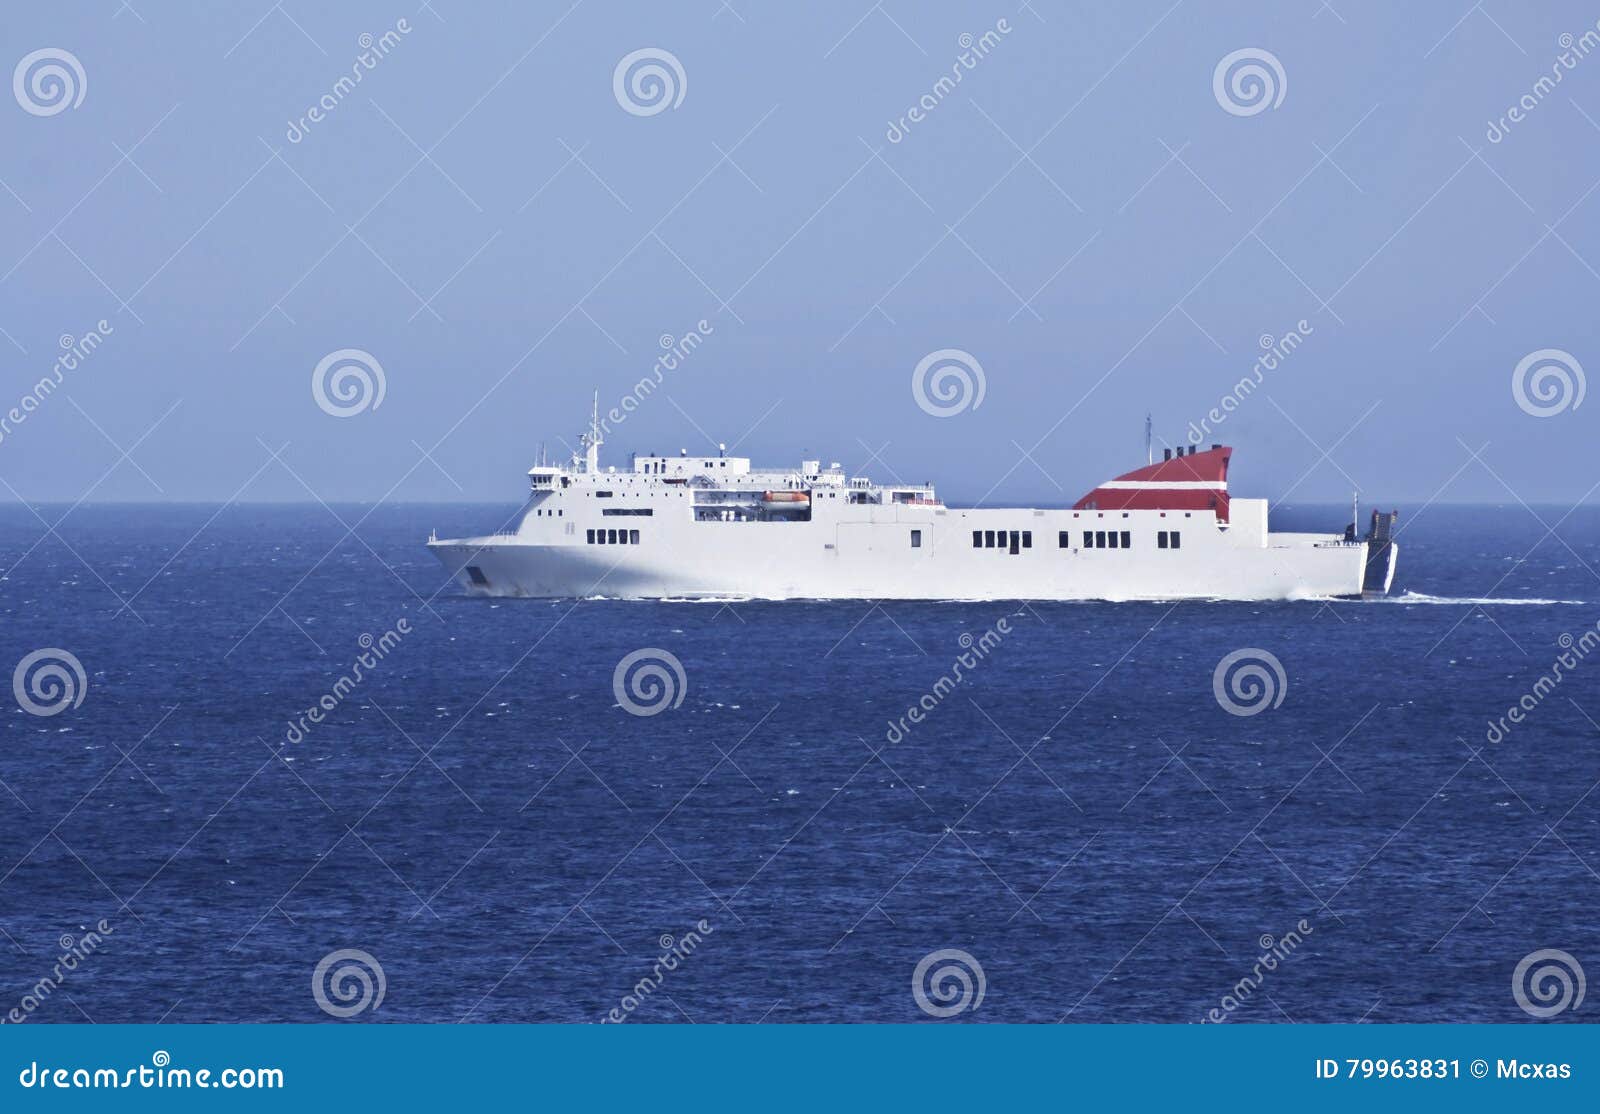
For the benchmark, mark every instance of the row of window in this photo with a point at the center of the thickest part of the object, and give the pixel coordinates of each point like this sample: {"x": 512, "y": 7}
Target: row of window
{"x": 646, "y": 511}
{"x": 1013, "y": 540}
{"x": 613, "y": 537}
{"x": 1119, "y": 539}
{"x": 656, "y": 467}
{"x": 1100, "y": 539}
{"x": 1016, "y": 540}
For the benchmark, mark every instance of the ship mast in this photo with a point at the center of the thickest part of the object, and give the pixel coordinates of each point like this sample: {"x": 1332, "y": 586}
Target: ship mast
{"x": 593, "y": 439}
{"x": 1149, "y": 441}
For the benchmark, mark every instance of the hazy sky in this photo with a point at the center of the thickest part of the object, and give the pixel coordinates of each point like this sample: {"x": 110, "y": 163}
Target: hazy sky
{"x": 1082, "y": 213}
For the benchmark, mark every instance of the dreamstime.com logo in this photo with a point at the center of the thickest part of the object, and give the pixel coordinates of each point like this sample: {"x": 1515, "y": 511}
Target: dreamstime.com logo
{"x": 1249, "y": 81}
{"x": 674, "y": 351}
{"x": 674, "y": 953}
{"x": 158, "y": 1074}
{"x": 1275, "y": 951}
{"x": 373, "y": 51}
{"x": 1574, "y": 651}
{"x": 948, "y": 382}
{"x": 348, "y": 382}
{"x": 1547, "y": 982}
{"x": 649, "y": 81}
{"x": 649, "y": 681}
{"x": 1249, "y": 681}
{"x": 1275, "y": 350}
{"x": 373, "y": 651}
{"x": 948, "y": 982}
{"x": 49, "y": 81}
{"x": 1548, "y": 382}
{"x": 1573, "y": 51}
{"x": 47, "y": 682}
{"x": 347, "y": 982}
{"x": 74, "y": 952}
{"x": 74, "y": 352}
{"x": 974, "y": 651}
{"x": 974, "y": 49}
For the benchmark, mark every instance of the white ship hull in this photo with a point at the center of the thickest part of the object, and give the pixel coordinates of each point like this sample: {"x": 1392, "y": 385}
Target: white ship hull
{"x": 870, "y": 557}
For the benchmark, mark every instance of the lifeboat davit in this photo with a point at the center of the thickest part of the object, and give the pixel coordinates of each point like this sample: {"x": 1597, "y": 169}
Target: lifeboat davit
{"x": 800, "y": 498}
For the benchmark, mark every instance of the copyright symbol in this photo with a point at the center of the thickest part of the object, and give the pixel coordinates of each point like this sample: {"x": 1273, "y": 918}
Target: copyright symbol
{"x": 1480, "y": 1069}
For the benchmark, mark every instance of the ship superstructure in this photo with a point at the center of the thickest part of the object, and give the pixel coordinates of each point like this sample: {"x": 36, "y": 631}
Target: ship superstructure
{"x": 708, "y": 526}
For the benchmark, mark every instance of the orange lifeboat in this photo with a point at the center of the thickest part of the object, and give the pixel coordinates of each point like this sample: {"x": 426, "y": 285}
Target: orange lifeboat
{"x": 797, "y": 497}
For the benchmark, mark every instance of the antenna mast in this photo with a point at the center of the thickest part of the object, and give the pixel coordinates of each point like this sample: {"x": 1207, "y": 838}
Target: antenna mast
{"x": 593, "y": 439}
{"x": 1149, "y": 441}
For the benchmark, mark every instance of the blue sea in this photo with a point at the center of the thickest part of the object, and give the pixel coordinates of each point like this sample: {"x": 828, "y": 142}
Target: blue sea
{"x": 1078, "y": 829}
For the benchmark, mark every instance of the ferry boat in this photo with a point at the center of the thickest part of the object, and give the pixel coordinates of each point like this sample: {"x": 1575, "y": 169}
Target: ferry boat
{"x": 702, "y": 526}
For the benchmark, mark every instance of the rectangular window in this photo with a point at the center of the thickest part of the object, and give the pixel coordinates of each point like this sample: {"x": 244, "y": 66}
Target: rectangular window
{"x": 1111, "y": 539}
{"x": 1027, "y": 539}
{"x": 591, "y": 537}
{"x": 916, "y": 539}
{"x": 977, "y": 539}
{"x": 1099, "y": 539}
{"x": 1161, "y": 539}
{"x": 1127, "y": 539}
{"x": 633, "y": 537}
{"x": 1088, "y": 539}
{"x": 988, "y": 539}
{"x": 1015, "y": 541}
{"x": 1177, "y": 540}
{"x": 602, "y": 495}
{"x": 627, "y": 510}
{"x": 1061, "y": 540}
{"x": 611, "y": 539}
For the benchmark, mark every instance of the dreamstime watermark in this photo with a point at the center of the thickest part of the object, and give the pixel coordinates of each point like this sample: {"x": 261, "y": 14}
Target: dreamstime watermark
{"x": 649, "y": 81}
{"x": 674, "y": 351}
{"x": 1548, "y": 382}
{"x": 1275, "y": 351}
{"x": 158, "y": 1074}
{"x": 673, "y": 953}
{"x": 74, "y": 351}
{"x": 373, "y": 650}
{"x": 49, "y": 81}
{"x": 1249, "y": 681}
{"x": 973, "y": 51}
{"x": 974, "y": 650}
{"x": 1573, "y": 653}
{"x": 347, "y": 982}
{"x": 373, "y": 51}
{"x": 73, "y": 952}
{"x": 1573, "y": 51}
{"x": 49, "y": 681}
{"x": 948, "y": 382}
{"x": 348, "y": 382}
{"x": 1274, "y": 951}
{"x": 948, "y": 982}
{"x": 1249, "y": 81}
{"x": 649, "y": 681}
{"x": 1547, "y": 982}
